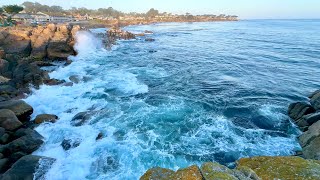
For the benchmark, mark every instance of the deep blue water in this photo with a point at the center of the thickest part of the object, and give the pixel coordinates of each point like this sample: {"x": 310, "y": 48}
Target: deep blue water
{"x": 200, "y": 92}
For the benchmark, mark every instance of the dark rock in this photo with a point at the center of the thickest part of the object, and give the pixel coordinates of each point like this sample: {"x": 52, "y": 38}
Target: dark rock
{"x": 8, "y": 120}
{"x": 312, "y": 118}
{"x": 15, "y": 157}
{"x": 3, "y": 164}
{"x": 53, "y": 82}
{"x": 1, "y": 156}
{"x": 4, "y": 138}
{"x": 80, "y": 118}
{"x": 149, "y": 39}
{"x": 27, "y": 72}
{"x": 315, "y": 100}
{"x": 28, "y": 168}
{"x": 74, "y": 79}
{"x": 310, "y": 142}
{"x": 26, "y": 144}
{"x": 20, "y": 108}
{"x": 45, "y": 118}
{"x": 2, "y": 132}
{"x": 299, "y": 109}
{"x": 148, "y": 32}
{"x": 4, "y": 66}
{"x": 68, "y": 144}
{"x": 100, "y": 136}
{"x": 2, "y": 53}
{"x": 25, "y": 131}
{"x": 8, "y": 91}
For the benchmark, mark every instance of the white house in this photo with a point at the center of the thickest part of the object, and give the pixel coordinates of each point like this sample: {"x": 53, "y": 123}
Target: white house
{"x": 23, "y": 17}
{"x": 41, "y": 17}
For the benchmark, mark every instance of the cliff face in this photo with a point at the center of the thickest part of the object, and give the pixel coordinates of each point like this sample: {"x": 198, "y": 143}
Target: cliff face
{"x": 24, "y": 50}
{"x": 53, "y": 42}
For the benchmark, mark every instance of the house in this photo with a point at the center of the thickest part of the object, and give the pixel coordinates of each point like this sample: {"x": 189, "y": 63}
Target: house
{"x": 41, "y": 17}
{"x": 23, "y": 17}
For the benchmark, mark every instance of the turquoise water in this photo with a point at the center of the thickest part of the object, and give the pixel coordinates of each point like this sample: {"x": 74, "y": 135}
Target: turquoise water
{"x": 200, "y": 92}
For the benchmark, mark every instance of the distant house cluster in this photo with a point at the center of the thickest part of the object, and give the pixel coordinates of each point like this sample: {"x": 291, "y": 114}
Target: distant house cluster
{"x": 40, "y": 17}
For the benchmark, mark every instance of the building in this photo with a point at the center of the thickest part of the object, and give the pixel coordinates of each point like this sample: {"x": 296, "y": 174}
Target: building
{"x": 41, "y": 17}
{"x": 61, "y": 19}
{"x": 23, "y": 17}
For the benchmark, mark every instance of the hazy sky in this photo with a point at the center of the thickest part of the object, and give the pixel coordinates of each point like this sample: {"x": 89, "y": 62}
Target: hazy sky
{"x": 244, "y": 8}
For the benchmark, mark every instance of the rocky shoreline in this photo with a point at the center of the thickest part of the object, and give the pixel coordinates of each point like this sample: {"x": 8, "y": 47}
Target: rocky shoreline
{"x": 24, "y": 51}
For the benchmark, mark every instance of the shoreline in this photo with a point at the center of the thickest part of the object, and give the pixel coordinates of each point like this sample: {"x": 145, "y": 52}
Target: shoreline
{"x": 303, "y": 110}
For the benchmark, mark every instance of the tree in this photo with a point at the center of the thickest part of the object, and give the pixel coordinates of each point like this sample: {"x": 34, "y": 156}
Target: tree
{"x": 1, "y": 10}
{"x": 13, "y": 9}
{"x": 152, "y": 13}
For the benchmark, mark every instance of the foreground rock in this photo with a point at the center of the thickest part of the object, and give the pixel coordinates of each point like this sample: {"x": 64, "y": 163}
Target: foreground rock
{"x": 256, "y": 168}
{"x": 282, "y": 167}
{"x": 8, "y": 120}
{"x": 21, "y": 109}
{"x": 28, "y": 168}
{"x": 306, "y": 115}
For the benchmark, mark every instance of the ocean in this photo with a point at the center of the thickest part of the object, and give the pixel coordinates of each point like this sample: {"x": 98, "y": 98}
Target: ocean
{"x": 200, "y": 92}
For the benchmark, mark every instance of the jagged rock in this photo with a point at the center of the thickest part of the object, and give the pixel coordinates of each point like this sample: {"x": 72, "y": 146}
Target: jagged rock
{"x": 299, "y": 109}
{"x": 148, "y": 32}
{"x": 100, "y": 136}
{"x": 310, "y": 142}
{"x": 20, "y": 108}
{"x": 80, "y": 118}
{"x": 68, "y": 144}
{"x": 315, "y": 100}
{"x": 28, "y": 168}
{"x": 212, "y": 170}
{"x": 290, "y": 167}
{"x": 45, "y": 118}
{"x": 17, "y": 42}
{"x": 26, "y": 144}
{"x": 26, "y": 73}
{"x": 8, "y": 120}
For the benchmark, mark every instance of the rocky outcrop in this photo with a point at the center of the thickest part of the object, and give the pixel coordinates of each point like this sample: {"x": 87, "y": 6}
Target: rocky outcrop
{"x": 17, "y": 139}
{"x": 282, "y": 167}
{"x": 28, "y": 168}
{"x": 115, "y": 33}
{"x": 255, "y": 168}
{"x": 306, "y": 115}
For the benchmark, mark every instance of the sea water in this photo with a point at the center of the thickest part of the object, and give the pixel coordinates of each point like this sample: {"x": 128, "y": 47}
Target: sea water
{"x": 200, "y": 92}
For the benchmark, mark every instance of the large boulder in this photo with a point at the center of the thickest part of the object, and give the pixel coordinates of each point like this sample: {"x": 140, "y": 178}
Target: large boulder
{"x": 59, "y": 47}
{"x": 18, "y": 42}
{"x": 299, "y": 109}
{"x": 189, "y": 173}
{"x": 310, "y": 142}
{"x": 290, "y": 167}
{"x": 28, "y": 168}
{"x": 212, "y": 170}
{"x": 81, "y": 118}
{"x": 26, "y": 144}
{"x": 20, "y": 108}
{"x": 26, "y": 73}
{"x": 315, "y": 100}
{"x": 40, "y": 39}
{"x": 8, "y": 120}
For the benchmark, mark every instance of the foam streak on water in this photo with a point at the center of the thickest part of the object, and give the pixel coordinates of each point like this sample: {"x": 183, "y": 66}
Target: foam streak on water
{"x": 189, "y": 97}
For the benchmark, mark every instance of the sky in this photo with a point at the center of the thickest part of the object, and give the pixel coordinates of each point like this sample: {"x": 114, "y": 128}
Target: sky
{"x": 245, "y": 9}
